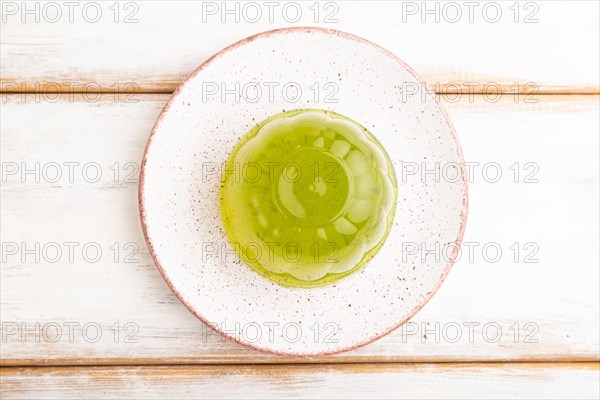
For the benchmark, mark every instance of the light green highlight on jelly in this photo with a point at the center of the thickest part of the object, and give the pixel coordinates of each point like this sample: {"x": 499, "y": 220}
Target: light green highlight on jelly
{"x": 308, "y": 197}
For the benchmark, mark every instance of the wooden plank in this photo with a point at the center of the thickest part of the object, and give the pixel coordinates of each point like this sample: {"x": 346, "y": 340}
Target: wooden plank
{"x": 400, "y": 381}
{"x": 453, "y": 45}
{"x": 545, "y": 311}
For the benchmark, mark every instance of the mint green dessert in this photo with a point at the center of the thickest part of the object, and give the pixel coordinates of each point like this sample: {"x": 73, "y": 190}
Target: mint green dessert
{"x": 308, "y": 197}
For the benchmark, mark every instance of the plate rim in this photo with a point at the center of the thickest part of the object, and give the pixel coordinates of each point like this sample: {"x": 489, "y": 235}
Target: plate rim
{"x": 416, "y": 76}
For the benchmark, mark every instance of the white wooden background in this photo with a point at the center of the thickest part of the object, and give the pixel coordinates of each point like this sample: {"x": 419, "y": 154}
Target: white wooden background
{"x": 151, "y": 346}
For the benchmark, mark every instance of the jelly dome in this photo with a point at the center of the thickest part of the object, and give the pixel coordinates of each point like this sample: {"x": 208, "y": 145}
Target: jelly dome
{"x": 308, "y": 197}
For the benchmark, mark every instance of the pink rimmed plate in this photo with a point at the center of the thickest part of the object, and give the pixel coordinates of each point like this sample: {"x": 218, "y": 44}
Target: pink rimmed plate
{"x": 247, "y": 82}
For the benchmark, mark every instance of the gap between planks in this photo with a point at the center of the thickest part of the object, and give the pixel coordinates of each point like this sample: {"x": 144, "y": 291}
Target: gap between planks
{"x": 295, "y": 363}
{"x": 504, "y": 90}
{"x": 282, "y": 360}
{"x": 356, "y": 367}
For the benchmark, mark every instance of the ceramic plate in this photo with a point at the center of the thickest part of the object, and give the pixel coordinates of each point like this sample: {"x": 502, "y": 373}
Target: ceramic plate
{"x": 220, "y": 102}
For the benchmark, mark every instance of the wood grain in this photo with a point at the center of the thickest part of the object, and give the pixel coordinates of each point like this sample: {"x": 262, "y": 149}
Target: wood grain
{"x": 402, "y": 381}
{"x": 151, "y": 347}
{"x": 527, "y": 46}
{"x": 554, "y": 301}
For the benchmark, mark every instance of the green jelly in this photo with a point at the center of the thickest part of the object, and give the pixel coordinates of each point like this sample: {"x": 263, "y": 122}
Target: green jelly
{"x": 308, "y": 197}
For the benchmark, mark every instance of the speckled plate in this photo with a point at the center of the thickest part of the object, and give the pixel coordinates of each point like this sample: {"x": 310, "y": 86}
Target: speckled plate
{"x": 223, "y": 99}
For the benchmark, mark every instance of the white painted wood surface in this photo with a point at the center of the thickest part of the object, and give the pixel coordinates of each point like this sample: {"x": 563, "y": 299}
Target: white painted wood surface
{"x": 556, "y": 297}
{"x": 547, "y": 310}
{"x": 552, "y": 44}
{"x": 397, "y": 381}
